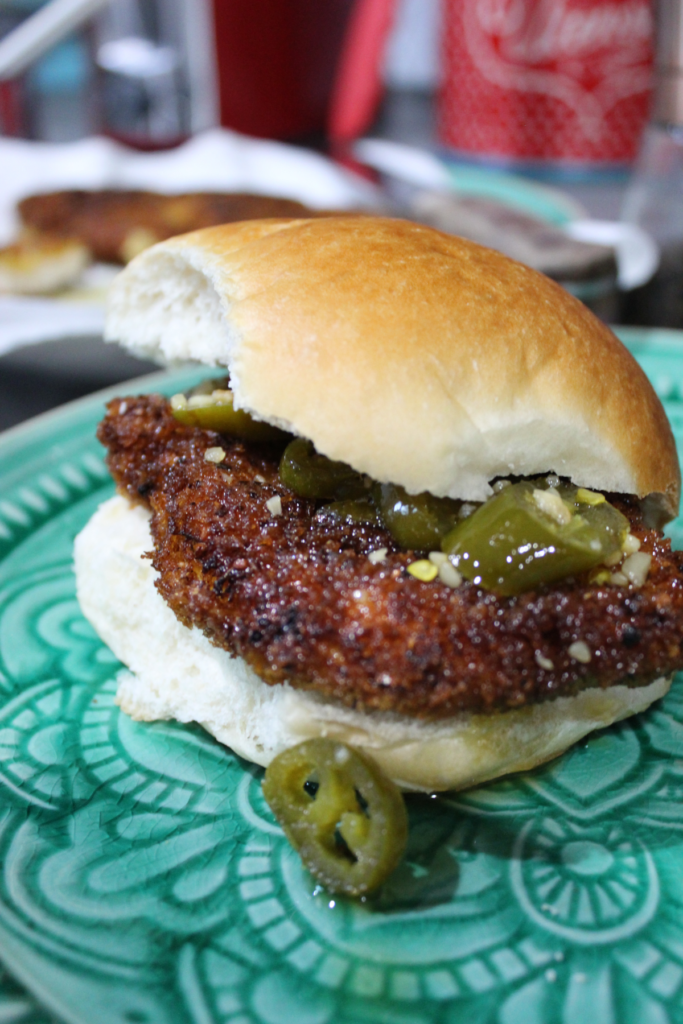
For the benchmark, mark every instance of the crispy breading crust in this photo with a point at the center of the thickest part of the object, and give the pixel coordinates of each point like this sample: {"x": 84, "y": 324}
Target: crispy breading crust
{"x": 299, "y": 600}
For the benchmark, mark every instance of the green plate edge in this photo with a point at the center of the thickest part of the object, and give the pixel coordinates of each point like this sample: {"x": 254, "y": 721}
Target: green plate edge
{"x": 143, "y": 879}
{"x": 550, "y": 204}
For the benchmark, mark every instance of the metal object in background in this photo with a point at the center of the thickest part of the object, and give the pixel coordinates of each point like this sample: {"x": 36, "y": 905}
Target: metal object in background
{"x": 45, "y": 69}
{"x": 668, "y": 97}
{"x": 653, "y": 199}
{"x": 157, "y": 80}
{"x": 46, "y": 27}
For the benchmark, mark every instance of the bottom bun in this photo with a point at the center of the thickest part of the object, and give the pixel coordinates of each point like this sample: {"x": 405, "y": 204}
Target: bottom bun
{"x": 177, "y": 673}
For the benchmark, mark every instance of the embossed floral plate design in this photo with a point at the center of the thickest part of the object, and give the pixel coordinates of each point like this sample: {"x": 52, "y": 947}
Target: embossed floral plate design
{"x": 144, "y": 881}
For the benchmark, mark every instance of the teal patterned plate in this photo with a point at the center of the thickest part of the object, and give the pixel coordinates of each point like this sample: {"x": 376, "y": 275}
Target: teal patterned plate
{"x": 144, "y": 881}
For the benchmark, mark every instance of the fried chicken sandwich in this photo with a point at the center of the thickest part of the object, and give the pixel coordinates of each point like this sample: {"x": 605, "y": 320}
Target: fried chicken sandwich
{"x": 419, "y": 512}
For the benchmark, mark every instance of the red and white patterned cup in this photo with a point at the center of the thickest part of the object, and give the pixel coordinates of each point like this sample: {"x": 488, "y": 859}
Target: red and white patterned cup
{"x": 552, "y": 81}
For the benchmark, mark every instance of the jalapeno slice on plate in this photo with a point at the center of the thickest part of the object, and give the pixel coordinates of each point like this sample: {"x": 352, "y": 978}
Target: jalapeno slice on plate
{"x": 347, "y": 821}
{"x": 524, "y": 536}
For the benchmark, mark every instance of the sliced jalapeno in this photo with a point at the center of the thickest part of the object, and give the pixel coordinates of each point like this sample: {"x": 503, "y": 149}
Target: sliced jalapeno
{"x": 215, "y": 410}
{"x": 209, "y": 385}
{"x": 417, "y": 522}
{"x": 360, "y": 510}
{"x": 523, "y": 537}
{"x": 347, "y": 821}
{"x": 311, "y": 475}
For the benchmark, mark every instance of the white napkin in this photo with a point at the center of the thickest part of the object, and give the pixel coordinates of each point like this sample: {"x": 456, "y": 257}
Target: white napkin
{"x": 29, "y": 321}
{"x": 216, "y": 160}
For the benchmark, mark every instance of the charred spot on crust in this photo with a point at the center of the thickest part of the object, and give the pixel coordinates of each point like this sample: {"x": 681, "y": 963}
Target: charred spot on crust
{"x": 631, "y": 636}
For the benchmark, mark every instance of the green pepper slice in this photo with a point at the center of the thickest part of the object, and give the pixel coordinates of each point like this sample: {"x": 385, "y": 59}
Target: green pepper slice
{"x": 358, "y": 510}
{"x": 511, "y": 545}
{"x": 314, "y": 476}
{"x": 417, "y": 522}
{"x": 209, "y": 385}
{"x": 217, "y": 412}
{"x": 339, "y": 811}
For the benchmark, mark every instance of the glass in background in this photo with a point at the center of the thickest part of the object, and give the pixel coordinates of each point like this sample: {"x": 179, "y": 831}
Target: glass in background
{"x": 156, "y": 70}
{"x": 654, "y": 199}
{"x": 411, "y": 75}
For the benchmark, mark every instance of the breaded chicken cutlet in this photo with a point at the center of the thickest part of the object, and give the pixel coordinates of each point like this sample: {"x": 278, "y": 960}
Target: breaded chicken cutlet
{"x": 296, "y": 596}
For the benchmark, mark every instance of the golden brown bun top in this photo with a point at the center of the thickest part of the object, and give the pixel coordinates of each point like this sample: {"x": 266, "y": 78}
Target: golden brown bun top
{"x": 417, "y": 357}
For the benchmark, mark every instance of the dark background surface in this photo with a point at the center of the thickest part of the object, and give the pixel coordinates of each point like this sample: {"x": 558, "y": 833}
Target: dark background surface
{"x": 40, "y": 377}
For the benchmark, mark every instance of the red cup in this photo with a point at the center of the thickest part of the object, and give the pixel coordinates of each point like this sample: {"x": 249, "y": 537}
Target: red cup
{"x": 12, "y": 120}
{"x": 277, "y": 61}
{"x": 554, "y": 81}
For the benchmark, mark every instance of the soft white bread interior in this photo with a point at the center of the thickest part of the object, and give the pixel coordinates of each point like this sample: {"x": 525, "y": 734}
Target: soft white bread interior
{"x": 177, "y": 673}
{"x": 458, "y": 364}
